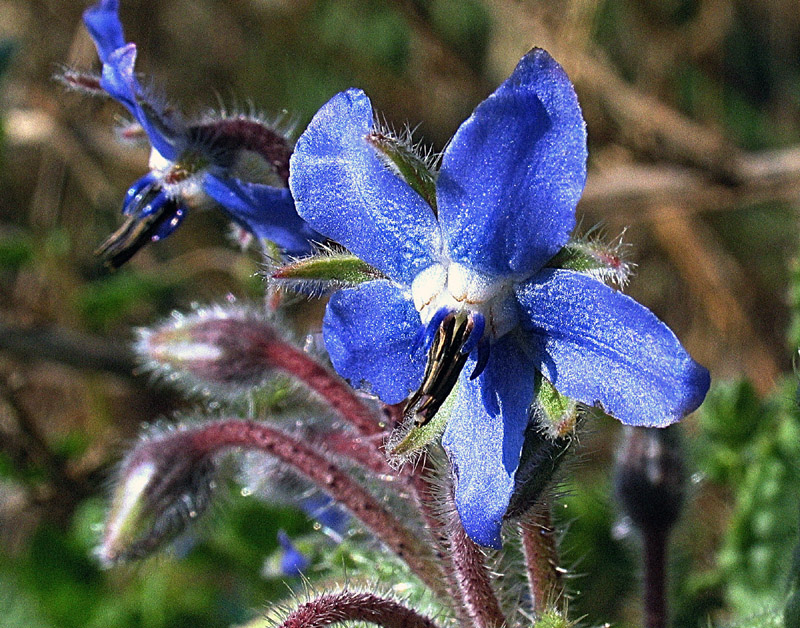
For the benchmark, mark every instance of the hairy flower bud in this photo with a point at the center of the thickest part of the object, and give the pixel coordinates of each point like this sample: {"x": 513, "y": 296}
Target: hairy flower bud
{"x": 227, "y": 349}
{"x": 164, "y": 483}
{"x": 649, "y": 477}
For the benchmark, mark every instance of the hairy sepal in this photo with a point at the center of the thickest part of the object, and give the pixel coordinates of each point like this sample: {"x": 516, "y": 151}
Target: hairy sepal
{"x": 556, "y": 414}
{"x": 411, "y": 438}
{"x": 325, "y": 273}
{"x": 406, "y": 161}
{"x": 592, "y": 256}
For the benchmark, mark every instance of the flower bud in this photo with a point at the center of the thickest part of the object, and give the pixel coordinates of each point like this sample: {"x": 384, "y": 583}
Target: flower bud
{"x": 649, "y": 477}
{"x": 225, "y": 349}
{"x": 164, "y": 483}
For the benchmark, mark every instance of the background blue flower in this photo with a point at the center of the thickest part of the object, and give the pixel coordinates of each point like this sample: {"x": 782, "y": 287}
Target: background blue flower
{"x": 238, "y": 162}
{"x": 506, "y": 194}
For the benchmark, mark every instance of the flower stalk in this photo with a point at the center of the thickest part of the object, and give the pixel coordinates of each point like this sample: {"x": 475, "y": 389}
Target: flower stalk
{"x": 224, "y": 434}
{"x": 347, "y": 606}
{"x": 541, "y": 559}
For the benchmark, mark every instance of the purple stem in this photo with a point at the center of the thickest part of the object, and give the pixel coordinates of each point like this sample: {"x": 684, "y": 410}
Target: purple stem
{"x": 330, "y": 387}
{"x": 351, "y": 606}
{"x": 541, "y": 558}
{"x": 654, "y": 547}
{"x": 473, "y": 578}
{"x": 213, "y": 437}
{"x": 428, "y": 499}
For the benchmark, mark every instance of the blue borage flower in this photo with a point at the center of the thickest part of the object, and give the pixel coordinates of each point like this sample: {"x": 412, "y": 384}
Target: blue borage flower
{"x": 238, "y": 162}
{"x": 471, "y": 276}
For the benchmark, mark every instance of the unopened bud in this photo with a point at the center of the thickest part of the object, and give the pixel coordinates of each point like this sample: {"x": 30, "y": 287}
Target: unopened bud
{"x": 164, "y": 483}
{"x": 226, "y": 349}
{"x": 649, "y": 477}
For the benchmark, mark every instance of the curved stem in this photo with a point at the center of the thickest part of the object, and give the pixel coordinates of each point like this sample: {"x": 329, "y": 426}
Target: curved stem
{"x": 351, "y": 606}
{"x": 214, "y": 437}
{"x": 327, "y": 385}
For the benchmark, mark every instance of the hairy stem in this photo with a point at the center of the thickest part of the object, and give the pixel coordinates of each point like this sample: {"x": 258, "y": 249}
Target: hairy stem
{"x": 654, "y": 541}
{"x": 330, "y": 387}
{"x": 428, "y": 498}
{"x": 541, "y": 558}
{"x": 349, "y": 606}
{"x": 480, "y": 601}
{"x": 312, "y": 464}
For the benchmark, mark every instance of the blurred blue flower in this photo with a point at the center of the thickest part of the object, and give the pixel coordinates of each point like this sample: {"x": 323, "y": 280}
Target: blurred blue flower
{"x": 467, "y": 276}
{"x": 293, "y": 562}
{"x": 237, "y": 162}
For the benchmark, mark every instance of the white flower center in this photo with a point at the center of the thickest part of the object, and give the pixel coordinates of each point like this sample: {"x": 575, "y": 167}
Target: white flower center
{"x": 454, "y": 287}
{"x": 177, "y": 182}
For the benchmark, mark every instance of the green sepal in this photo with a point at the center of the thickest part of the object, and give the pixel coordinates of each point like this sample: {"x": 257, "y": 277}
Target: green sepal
{"x": 410, "y": 166}
{"x": 420, "y": 436}
{"x": 556, "y": 414}
{"x": 595, "y": 258}
{"x": 552, "y": 619}
{"x": 328, "y": 271}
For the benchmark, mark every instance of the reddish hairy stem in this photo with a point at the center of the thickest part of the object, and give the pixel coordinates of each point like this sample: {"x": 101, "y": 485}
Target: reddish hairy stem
{"x": 213, "y": 437}
{"x": 428, "y": 501}
{"x": 473, "y": 578}
{"x": 335, "y": 391}
{"x": 351, "y": 606}
{"x": 359, "y": 449}
{"x": 541, "y": 558}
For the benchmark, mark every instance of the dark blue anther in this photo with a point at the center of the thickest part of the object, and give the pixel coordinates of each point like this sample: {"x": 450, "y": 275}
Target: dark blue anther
{"x": 478, "y": 326}
{"x": 137, "y": 192}
{"x": 484, "y": 349}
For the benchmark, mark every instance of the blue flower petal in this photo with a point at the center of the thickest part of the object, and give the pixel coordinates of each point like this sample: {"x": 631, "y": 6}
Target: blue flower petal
{"x": 484, "y": 437}
{"x": 601, "y": 347}
{"x": 265, "y": 211}
{"x": 293, "y": 562}
{"x": 513, "y": 173}
{"x": 119, "y": 81}
{"x": 102, "y": 22}
{"x": 166, "y": 228}
{"x": 344, "y": 191}
{"x": 371, "y": 336}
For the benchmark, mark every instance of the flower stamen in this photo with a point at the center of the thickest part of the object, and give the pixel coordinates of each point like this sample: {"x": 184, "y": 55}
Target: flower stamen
{"x": 457, "y": 334}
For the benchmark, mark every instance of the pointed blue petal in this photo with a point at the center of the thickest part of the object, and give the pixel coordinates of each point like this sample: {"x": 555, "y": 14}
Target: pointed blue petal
{"x": 345, "y": 192}
{"x": 484, "y": 437}
{"x": 370, "y": 333}
{"x": 135, "y": 194}
{"x": 265, "y": 211}
{"x": 170, "y": 225}
{"x": 293, "y": 562}
{"x": 102, "y": 22}
{"x": 601, "y": 347}
{"x": 119, "y": 80}
{"x": 513, "y": 173}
